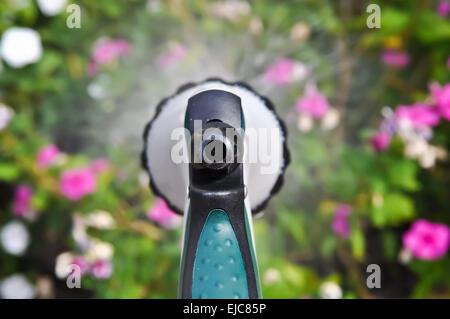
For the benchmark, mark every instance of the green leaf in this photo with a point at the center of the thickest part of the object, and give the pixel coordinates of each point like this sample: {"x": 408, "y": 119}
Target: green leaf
{"x": 432, "y": 28}
{"x": 293, "y": 223}
{"x": 394, "y": 21}
{"x": 292, "y": 282}
{"x": 431, "y": 274}
{"x": 358, "y": 243}
{"x": 378, "y": 185}
{"x": 22, "y": 122}
{"x": 390, "y": 245}
{"x": 9, "y": 172}
{"x": 342, "y": 182}
{"x": 396, "y": 209}
{"x": 40, "y": 199}
{"x": 403, "y": 174}
{"x": 49, "y": 62}
{"x": 328, "y": 246}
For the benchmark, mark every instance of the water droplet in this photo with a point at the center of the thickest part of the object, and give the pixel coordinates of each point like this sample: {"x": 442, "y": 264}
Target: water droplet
{"x": 203, "y": 296}
{"x": 235, "y": 278}
{"x": 219, "y": 248}
{"x": 231, "y": 260}
{"x": 236, "y": 296}
{"x": 203, "y": 278}
{"x": 208, "y": 242}
{"x": 228, "y": 242}
{"x": 219, "y": 285}
{"x": 206, "y": 260}
{"x": 217, "y": 227}
{"x": 219, "y": 266}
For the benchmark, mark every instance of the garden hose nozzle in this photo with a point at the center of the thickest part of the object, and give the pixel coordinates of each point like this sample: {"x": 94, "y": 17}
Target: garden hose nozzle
{"x": 216, "y": 152}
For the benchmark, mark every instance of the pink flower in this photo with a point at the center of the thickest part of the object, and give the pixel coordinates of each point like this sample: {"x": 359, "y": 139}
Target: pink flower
{"x": 280, "y": 72}
{"x": 47, "y": 155}
{"x": 100, "y": 165}
{"x": 419, "y": 114}
{"x": 162, "y": 214}
{"x": 395, "y": 59}
{"x": 102, "y": 269}
{"x": 380, "y": 141}
{"x": 427, "y": 240}
{"x": 313, "y": 102}
{"x": 340, "y": 222}
{"x": 81, "y": 262}
{"x": 172, "y": 57}
{"x": 77, "y": 183}
{"x": 107, "y": 50}
{"x": 443, "y": 8}
{"x": 22, "y": 201}
{"x": 441, "y": 97}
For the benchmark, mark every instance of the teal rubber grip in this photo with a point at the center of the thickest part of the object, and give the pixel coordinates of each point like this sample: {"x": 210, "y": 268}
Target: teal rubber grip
{"x": 219, "y": 270}
{"x": 218, "y": 259}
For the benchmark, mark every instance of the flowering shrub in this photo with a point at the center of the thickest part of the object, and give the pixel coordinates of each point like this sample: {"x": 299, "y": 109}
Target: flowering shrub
{"x": 367, "y": 111}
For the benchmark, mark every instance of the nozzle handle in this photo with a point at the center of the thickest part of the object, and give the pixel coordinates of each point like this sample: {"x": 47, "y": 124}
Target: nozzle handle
{"x": 218, "y": 260}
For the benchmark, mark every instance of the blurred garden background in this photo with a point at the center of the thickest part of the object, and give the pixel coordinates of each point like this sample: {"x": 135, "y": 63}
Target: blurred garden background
{"x": 367, "y": 112}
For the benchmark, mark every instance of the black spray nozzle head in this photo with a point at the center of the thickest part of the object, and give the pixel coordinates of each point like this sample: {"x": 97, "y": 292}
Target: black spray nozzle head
{"x": 214, "y": 105}
{"x": 217, "y": 146}
{"x": 215, "y": 122}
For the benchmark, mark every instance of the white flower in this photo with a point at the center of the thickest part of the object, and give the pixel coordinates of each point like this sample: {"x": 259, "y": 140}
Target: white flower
{"x": 404, "y": 256}
{"x": 406, "y": 130}
{"x": 271, "y": 276}
{"x": 305, "y": 123}
{"x": 377, "y": 200}
{"x": 300, "y": 31}
{"x": 6, "y": 114}
{"x": 441, "y": 153}
{"x": 154, "y": 6}
{"x": 427, "y": 154}
{"x": 63, "y": 261}
{"x": 97, "y": 89}
{"x": 416, "y": 148}
{"x": 427, "y": 160}
{"x": 100, "y": 219}
{"x": 299, "y": 72}
{"x": 143, "y": 179}
{"x": 79, "y": 232}
{"x": 14, "y": 238}
{"x": 432, "y": 153}
{"x": 256, "y": 26}
{"x": 100, "y": 250}
{"x": 44, "y": 288}
{"x": 229, "y": 10}
{"x": 51, "y": 7}
{"x": 16, "y": 287}
{"x": 330, "y": 290}
{"x": 20, "y": 46}
{"x": 387, "y": 112}
{"x": 330, "y": 120}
